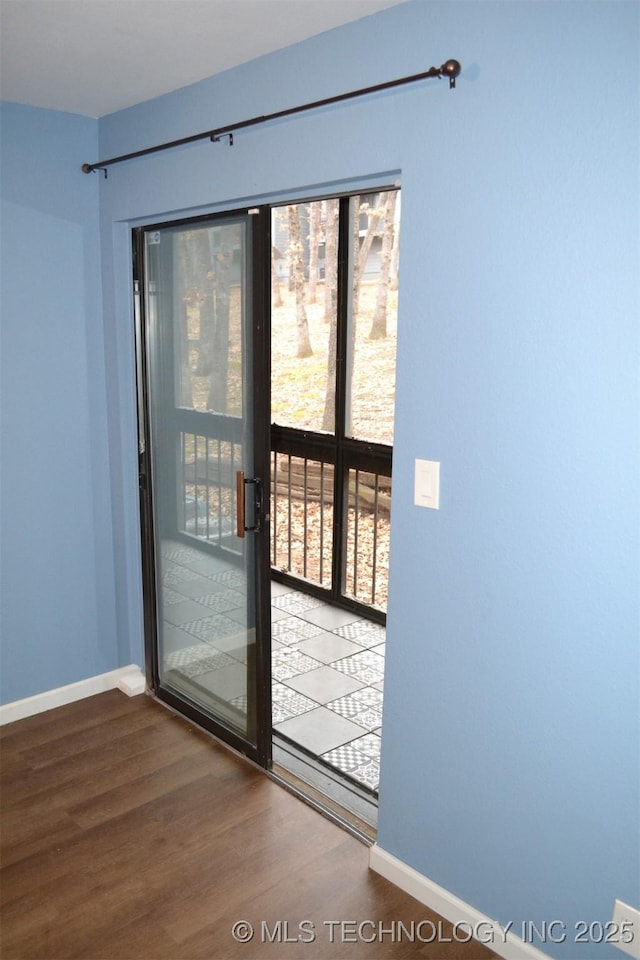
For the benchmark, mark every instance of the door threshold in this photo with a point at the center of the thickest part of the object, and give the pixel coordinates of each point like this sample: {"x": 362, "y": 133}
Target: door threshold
{"x": 324, "y": 789}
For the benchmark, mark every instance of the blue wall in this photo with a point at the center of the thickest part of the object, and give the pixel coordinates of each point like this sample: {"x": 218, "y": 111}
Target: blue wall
{"x": 510, "y": 764}
{"x": 58, "y": 624}
{"x": 510, "y": 746}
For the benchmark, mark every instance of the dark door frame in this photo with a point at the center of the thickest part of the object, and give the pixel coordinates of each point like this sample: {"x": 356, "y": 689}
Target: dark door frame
{"x": 258, "y": 743}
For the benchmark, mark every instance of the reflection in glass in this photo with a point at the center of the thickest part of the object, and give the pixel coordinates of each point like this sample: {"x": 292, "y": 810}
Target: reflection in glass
{"x": 200, "y": 433}
{"x": 208, "y": 268}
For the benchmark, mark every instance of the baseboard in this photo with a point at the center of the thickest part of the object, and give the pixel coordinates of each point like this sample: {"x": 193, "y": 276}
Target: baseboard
{"x": 128, "y": 679}
{"x": 468, "y": 922}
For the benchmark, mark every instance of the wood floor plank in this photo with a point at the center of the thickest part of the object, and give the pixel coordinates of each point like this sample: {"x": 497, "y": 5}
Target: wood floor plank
{"x": 71, "y": 718}
{"x": 28, "y": 781}
{"x": 129, "y": 833}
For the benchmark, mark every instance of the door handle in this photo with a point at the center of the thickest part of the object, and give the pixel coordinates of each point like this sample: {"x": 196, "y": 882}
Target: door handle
{"x": 241, "y": 484}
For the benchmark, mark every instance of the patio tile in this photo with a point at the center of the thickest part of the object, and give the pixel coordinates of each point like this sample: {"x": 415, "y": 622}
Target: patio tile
{"x": 369, "y": 745}
{"x": 369, "y": 696}
{"x": 286, "y": 703}
{"x": 319, "y": 730}
{"x": 235, "y": 579}
{"x": 203, "y": 665}
{"x": 368, "y": 774}
{"x": 324, "y": 684}
{"x": 357, "y": 711}
{"x": 185, "y": 612}
{"x": 211, "y": 627}
{"x": 279, "y": 589}
{"x": 288, "y": 663}
{"x": 346, "y": 757}
{"x": 365, "y": 666}
{"x": 329, "y": 618}
{"x": 293, "y": 630}
{"x": 363, "y": 632}
{"x": 176, "y": 659}
{"x": 174, "y": 639}
{"x": 327, "y": 647}
{"x": 203, "y": 587}
{"x": 295, "y": 603}
{"x": 223, "y": 600}
{"x": 225, "y": 683}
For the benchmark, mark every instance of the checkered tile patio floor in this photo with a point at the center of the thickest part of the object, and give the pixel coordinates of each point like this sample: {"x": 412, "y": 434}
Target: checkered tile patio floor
{"x": 327, "y": 664}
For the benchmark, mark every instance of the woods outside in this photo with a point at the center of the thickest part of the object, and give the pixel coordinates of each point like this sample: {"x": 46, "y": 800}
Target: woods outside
{"x": 303, "y": 365}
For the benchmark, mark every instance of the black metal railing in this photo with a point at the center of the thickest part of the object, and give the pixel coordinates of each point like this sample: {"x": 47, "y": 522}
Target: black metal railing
{"x": 315, "y": 484}
{"x": 207, "y": 505}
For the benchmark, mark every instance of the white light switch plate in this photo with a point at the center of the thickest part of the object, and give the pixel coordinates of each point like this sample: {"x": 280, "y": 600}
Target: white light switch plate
{"x": 427, "y": 484}
{"x": 626, "y": 921}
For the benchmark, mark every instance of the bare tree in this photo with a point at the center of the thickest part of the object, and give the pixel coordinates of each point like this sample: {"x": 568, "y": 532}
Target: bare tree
{"x": 332, "y": 208}
{"x": 362, "y": 250}
{"x": 331, "y": 259}
{"x": 378, "y": 329}
{"x": 314, "y": 243}
{"x": 296, "y": 279}
{"x": 221, "y": 254}
{"x": 275, "y": 277}
{"x": 395, "y": 254}
{"x": 182, "y": 299}
{"x": 202, "y": 292}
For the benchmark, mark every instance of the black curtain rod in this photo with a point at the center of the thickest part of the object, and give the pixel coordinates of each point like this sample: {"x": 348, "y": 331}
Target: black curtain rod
{"x": 450, "y": 69}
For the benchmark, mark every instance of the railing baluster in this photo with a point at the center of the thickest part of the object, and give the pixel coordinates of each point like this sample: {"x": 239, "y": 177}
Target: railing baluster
{"x": 355, "y": 534}
{"x": 375, "y": 537}
{"x": 305, "y": 514}
{"x": 289, "y": 517}
{"x": 320, "y": 572}
{"x": 274, "y": 508}
{"x": 183, "y": 454}
{"x": 196, "y": 489}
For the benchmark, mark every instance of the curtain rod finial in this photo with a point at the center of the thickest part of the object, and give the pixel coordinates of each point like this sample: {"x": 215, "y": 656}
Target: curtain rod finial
{"x": 452, "y": 70}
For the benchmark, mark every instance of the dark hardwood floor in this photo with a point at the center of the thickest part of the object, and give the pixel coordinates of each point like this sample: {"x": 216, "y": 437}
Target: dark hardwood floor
{"x": 127, "y": 832}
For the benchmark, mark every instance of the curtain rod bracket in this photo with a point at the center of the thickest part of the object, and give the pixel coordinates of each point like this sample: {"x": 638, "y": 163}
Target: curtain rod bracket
{"x": 91, "y": 168}
{"x": 217, "y": 137}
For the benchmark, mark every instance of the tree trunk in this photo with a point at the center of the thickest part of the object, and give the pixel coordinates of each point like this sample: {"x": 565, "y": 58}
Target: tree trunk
{"x": 379, "y": 324}
{"x": 361, "y": 251}
{"x": 297, "y": 280}
{"x": 221, "y": 253}
{"x": 314, "y": 238}
{"x": 331, "y": 260}
{"x": 395, "y": 253}
{"x": 331, "y": 310}
{"x": 181, "y": 309}
{"x": 203, "y": 295}
{"x": 329, "y": 415}
{"x": 276, "y": 292}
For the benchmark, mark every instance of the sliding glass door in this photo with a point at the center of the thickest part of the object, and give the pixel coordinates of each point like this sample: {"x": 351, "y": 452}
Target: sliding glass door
{"x": 203, "y": 396}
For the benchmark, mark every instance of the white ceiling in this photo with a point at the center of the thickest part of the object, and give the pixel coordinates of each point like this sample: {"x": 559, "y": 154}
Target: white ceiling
{"x": 97, "y": 56}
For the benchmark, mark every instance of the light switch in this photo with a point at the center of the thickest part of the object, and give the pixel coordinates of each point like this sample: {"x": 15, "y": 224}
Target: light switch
{"x": 427, "y": 484}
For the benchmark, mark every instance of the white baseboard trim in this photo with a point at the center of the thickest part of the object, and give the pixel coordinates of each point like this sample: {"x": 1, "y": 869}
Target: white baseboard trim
{"x": 468, "y": 922}
{"x": 128, "y": 679}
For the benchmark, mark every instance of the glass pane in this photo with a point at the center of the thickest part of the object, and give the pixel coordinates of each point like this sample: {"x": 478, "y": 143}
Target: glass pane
{"x": 208, "y": 505}
{"x": 302, "y": 517}
{"x": 208, "y": 265}
{"x": 303, "y": 315}
{"x": 200, "y": 436}
{"x": 375, "y": 222}
{"x": 368, "y": 529}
